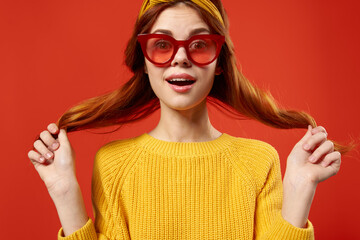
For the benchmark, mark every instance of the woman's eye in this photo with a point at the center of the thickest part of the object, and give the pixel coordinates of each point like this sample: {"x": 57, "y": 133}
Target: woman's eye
{"x": 198, "y": 45}
{"x": 162, "y": 44}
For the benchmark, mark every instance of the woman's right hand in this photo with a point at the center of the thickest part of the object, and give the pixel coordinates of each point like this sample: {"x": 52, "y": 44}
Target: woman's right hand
{"x": 54, "y": 160}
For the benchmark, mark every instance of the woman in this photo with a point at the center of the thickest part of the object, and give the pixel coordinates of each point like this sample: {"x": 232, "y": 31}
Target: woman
{"x": 185, "y": 179}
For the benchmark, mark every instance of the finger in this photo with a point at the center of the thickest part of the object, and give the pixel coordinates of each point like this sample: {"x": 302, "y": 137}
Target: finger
{"x": 319, "y": 129}
{"x": 331, "y": 158}
{"x": 333, "y": 168}
{"x": 314, "y": 140}
{"x": 42, "y": 149}
{"x": 53, "y": 128}
{"x": 35, "y": 157}
{"x": 306, "y": 136}
{"x": 323, "y": 149}
{"x": 63, "y": 139}
{"x": 48, "y": 139}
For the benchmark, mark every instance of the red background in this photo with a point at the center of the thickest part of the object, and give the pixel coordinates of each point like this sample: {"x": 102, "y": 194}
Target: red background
{"x": 53, "y": 54}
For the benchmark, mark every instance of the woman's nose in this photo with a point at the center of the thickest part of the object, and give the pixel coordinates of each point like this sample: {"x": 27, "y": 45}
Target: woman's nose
{"x": 181, "y": 58}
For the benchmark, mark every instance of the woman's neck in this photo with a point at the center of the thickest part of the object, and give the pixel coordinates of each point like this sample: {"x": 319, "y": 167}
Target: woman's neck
{"x": 191, "y": 125}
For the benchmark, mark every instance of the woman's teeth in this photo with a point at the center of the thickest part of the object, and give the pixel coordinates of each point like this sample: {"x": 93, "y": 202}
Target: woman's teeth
{"x": 180, "y": 81}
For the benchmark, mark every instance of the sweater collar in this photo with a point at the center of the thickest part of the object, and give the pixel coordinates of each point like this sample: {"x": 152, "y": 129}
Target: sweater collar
{"x": 184, "y": 148}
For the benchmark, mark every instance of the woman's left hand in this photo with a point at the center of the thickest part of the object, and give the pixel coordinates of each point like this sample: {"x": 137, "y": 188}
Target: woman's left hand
{"x": 311, "y": 161}
{"x": 313, "y": 158}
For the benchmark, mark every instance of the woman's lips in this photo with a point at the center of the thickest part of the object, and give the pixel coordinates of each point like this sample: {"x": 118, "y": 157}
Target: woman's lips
{"x": 180, "y": 89}
{"x": 180, "y": 82}
{"x": 180, "y": 76}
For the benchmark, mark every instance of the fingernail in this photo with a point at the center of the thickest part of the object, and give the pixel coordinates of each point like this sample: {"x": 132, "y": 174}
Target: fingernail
{"x": 55, "y": 145}
{"x": 53, "y": 129}
{"x": 48, "y": 155}
{"x": 312, "y": 158}
{"x": 42, "y": 159}
{"x": 306, "y": 146}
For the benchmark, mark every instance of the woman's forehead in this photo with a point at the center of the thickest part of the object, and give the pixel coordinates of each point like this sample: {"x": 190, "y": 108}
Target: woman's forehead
{"x": 179, "y": 20}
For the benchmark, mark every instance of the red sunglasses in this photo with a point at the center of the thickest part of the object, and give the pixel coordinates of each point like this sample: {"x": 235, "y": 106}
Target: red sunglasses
{"x": 160, "y": 49}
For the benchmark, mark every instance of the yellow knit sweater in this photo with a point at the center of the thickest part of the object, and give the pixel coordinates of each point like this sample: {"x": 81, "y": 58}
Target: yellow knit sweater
{"x": 228, "y": 188}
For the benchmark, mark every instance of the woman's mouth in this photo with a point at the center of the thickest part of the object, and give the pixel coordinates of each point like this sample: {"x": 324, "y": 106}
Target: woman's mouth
{"x": 181, "y": 82}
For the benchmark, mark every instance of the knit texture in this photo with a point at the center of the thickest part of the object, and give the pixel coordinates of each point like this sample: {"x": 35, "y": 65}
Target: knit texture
{"x": 227, "y": 188}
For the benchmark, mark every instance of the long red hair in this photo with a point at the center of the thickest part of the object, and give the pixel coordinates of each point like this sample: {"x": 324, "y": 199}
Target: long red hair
{"x": 231, "y": 91}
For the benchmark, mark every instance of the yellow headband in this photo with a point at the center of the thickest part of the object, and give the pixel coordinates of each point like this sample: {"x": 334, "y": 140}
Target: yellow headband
{"x": 204, "y": 4}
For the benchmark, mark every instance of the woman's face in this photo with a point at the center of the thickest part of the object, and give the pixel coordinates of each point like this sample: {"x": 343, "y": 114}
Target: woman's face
{"x": 181, "y": 22}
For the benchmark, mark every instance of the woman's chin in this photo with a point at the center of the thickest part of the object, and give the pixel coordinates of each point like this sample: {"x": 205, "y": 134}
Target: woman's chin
{"x": 183, "y": 104}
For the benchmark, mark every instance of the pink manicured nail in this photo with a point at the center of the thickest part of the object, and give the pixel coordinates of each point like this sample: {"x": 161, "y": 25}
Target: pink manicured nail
{"x": 306, "y": 146}
{"x": 54, "y": 145}
{"x": 53, "y": 130}
{"x": 42, "y": 159}
{"x": 312, "y": 158}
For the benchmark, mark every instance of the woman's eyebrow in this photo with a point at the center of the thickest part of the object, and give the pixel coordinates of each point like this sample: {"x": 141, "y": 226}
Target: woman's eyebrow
{"x": 193, "y": 32}
{"x": 199, "y": 30}
{"x": 163, "y": 31}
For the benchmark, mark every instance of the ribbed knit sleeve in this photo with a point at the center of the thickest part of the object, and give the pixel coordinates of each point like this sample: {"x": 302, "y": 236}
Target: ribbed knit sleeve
{"x": 104, "y": 227}
{"x": 86, "y": 232}
{"x": 269, "y": 223}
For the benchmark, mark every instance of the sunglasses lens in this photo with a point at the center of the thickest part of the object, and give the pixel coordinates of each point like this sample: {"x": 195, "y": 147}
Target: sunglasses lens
{"x": 203, "y": 50}
{"x": 159, "y": 50}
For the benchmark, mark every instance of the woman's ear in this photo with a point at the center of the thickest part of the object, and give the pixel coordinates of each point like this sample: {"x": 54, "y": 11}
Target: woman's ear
{"x": 218, "y": 70}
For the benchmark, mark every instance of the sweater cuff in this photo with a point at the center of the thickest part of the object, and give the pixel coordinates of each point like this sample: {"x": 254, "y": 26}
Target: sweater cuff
{"x": 284, "y": 230}
{"x": 87, "y": 232}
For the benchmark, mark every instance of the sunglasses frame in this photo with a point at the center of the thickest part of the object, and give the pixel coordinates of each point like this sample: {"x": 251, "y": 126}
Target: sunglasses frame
{"x": 143, "y": 38}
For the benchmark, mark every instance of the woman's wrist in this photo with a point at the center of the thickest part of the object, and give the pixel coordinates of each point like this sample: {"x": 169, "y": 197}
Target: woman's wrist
{"x": 61, "y": 190}
{"x": 71, "y": 209}
{"x": 297, "y": 200}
